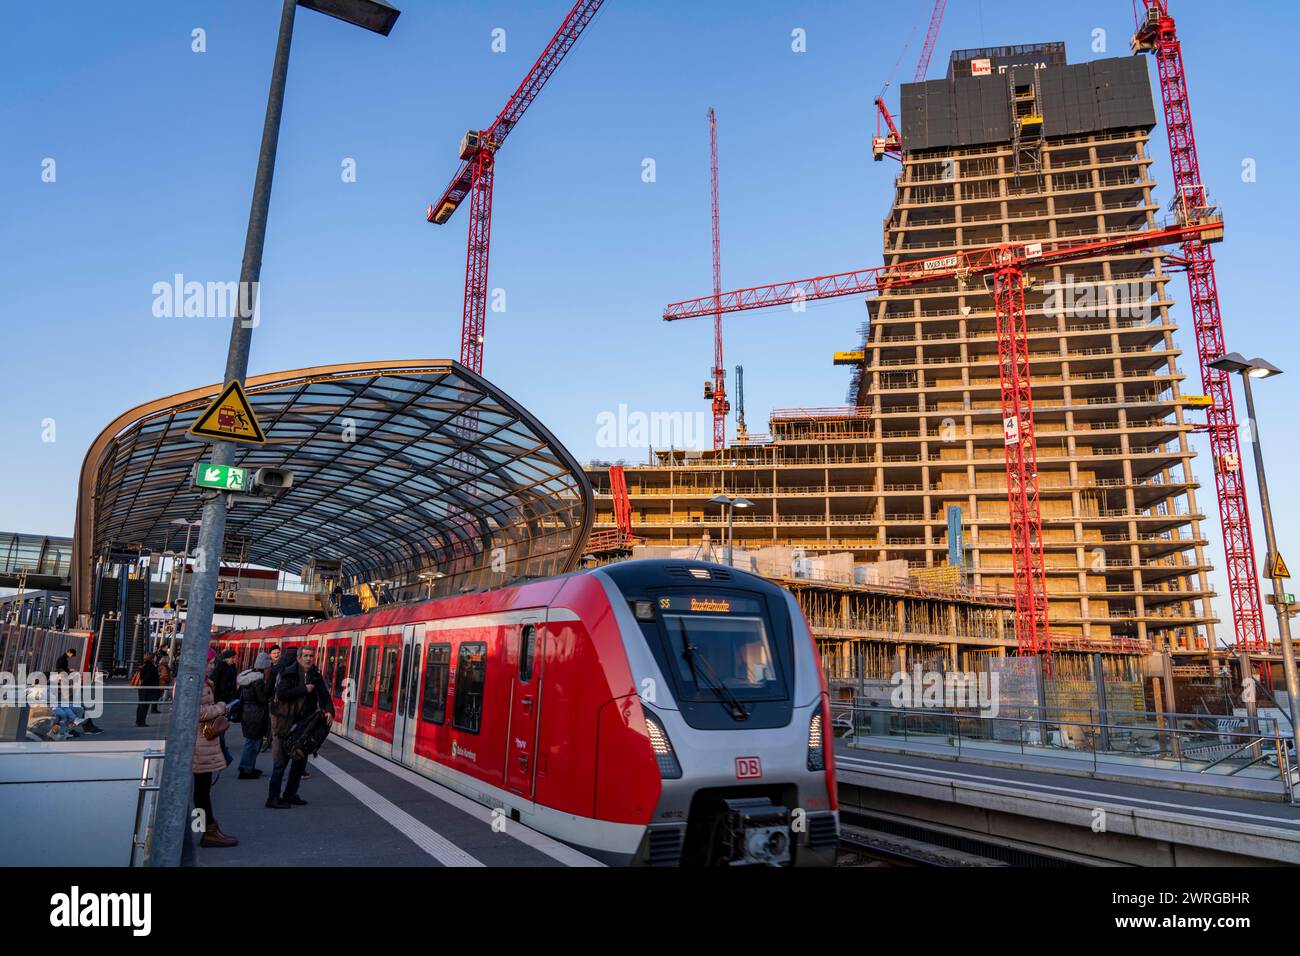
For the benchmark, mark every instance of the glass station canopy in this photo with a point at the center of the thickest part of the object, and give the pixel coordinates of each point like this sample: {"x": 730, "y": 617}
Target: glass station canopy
{"x": 400, "y": 469}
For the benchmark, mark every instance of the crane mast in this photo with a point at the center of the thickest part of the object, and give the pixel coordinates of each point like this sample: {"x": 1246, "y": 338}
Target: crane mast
{"x": 742, "y": 434}
{"x": 1158, "y": 35}
{"x": 715, "y": 389}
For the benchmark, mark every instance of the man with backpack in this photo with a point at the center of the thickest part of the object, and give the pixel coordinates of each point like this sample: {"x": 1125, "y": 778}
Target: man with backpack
{"x": 302, "y": 705}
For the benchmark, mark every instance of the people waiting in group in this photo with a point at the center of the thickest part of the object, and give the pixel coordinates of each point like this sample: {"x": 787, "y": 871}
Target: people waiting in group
{"x": 281, "y": 696}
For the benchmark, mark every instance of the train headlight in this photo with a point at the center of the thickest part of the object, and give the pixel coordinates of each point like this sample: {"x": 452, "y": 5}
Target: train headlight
{"x": 669, "y": 768}
{"x": 816, "y": 753}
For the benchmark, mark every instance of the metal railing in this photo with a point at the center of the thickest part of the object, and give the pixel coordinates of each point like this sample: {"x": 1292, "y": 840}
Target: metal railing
{"x": 1203, "y": 744}
{"x": 142, "y": 828}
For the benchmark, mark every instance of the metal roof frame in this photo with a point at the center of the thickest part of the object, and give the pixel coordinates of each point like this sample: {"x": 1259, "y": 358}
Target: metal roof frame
{"x": 399, "y": 467}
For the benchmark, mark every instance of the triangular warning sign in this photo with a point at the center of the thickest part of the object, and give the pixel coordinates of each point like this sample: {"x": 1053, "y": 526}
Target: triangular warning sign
{"x": 229, "y": 418}
{"x": 1280, "y": 570}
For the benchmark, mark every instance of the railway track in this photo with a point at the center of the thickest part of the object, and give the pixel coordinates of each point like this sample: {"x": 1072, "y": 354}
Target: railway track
{"x": 867, "y": 840}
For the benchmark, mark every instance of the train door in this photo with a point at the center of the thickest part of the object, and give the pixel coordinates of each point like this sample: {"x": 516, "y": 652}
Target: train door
{"x": 408, "y": 694}
{"x": 347, "y": 715}
{"x": 525, "y": 702}
{"x": 377, "y": 691}
{"x": 335, "y": 671}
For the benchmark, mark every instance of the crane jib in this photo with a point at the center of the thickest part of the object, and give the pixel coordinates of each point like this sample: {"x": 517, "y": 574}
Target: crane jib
{"x": 964, "y": 265}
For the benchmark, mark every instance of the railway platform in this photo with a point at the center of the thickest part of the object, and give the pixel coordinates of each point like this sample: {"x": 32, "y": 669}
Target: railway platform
{"x": 363, "y": 810}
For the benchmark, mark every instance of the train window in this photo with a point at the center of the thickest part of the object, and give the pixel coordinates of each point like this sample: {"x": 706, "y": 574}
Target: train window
{"x": 388, "y": 677}
{"x": 433, "y": 707}
{"x": 731, "y": 651}
{"x": 340, "y": 670}
{"x": 527, "y": 641}
{"x": 471, "y": 674}
{"x": 366, "y": 692}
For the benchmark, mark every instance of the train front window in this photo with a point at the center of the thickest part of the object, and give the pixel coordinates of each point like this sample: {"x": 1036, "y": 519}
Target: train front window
{"x": 733, "y": 653}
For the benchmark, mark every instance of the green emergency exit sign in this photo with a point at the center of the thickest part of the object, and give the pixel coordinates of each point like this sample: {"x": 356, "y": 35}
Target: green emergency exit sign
{"x": 220, "y": 477}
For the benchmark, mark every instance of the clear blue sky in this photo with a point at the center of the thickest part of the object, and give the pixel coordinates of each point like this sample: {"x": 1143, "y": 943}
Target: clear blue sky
{"x": 155, "y": 147}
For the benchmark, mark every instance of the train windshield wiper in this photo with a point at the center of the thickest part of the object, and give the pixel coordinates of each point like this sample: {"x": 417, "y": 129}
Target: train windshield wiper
{"x": 700, "y": 667}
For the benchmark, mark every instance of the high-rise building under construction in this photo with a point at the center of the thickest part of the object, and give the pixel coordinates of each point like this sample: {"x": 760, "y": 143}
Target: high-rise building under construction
{"x": 1014, "y": 145}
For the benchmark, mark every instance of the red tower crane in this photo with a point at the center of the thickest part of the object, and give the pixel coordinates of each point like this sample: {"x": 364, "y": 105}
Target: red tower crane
{"x": 1005, "y": 266}
{"x": 474, "y": 178}
{"x": 887, "y": 142}
{"x": 1157, "y": 34}
{"x": 715, "y": 390}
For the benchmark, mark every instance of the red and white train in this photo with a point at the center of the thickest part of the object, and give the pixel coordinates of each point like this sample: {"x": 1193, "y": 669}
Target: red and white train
{"x": 655, "y": 712}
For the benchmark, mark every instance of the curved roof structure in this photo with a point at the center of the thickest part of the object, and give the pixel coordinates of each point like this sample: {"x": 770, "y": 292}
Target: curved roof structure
{"x": 399, "y": 468}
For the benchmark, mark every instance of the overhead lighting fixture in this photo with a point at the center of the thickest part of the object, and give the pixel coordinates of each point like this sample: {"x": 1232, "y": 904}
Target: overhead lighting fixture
{"x": 373, "y": 15}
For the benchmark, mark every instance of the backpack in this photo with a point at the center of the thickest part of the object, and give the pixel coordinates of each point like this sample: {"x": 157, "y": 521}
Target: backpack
{"x": 306, "y": 737}
{"x": 281, "y": 709}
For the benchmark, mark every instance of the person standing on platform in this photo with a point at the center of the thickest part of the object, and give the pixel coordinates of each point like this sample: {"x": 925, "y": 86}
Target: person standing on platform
{"x": 164, "y": 680}
{"x": 148, "y": 689}
{"x": 255, "y": 690}
{"x": 208, "y": 761}
{"x": 225, "y": 690}
{"x": 300, "y": 691}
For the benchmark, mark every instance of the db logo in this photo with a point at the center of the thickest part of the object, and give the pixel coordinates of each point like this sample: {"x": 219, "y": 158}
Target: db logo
{"x": 748, "y": 768}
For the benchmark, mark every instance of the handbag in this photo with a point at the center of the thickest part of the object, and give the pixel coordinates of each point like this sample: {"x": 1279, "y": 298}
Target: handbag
{"x": 214, "y": 728}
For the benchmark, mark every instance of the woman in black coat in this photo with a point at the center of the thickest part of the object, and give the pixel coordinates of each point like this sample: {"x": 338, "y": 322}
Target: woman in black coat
{"x": 255, "y": 690}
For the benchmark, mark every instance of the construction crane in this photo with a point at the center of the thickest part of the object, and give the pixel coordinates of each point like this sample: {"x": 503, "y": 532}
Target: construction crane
{"x": 478, "y": 150}
{"x": 742, "y": 435}
{"x": 931, "y": 35}
{"x": 1004, "y": 267}
{"x": 618, "y": 539}
{"x": 887, "y": 141}
{"x": 1158, "y": 35}
{"x": 715, "y": 390}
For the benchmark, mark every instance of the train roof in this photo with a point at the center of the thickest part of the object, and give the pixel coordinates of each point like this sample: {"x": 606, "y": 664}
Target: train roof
{"x": 628, "y": 575}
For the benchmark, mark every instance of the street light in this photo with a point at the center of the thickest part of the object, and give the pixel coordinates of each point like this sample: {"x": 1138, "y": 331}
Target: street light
{"x": 373, "y": 15}
{"x": 730, "y": 504}
{"x": 172, "y": 814}
{"x": 1248, "y": 369}
{"x": 428, "y": 577}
